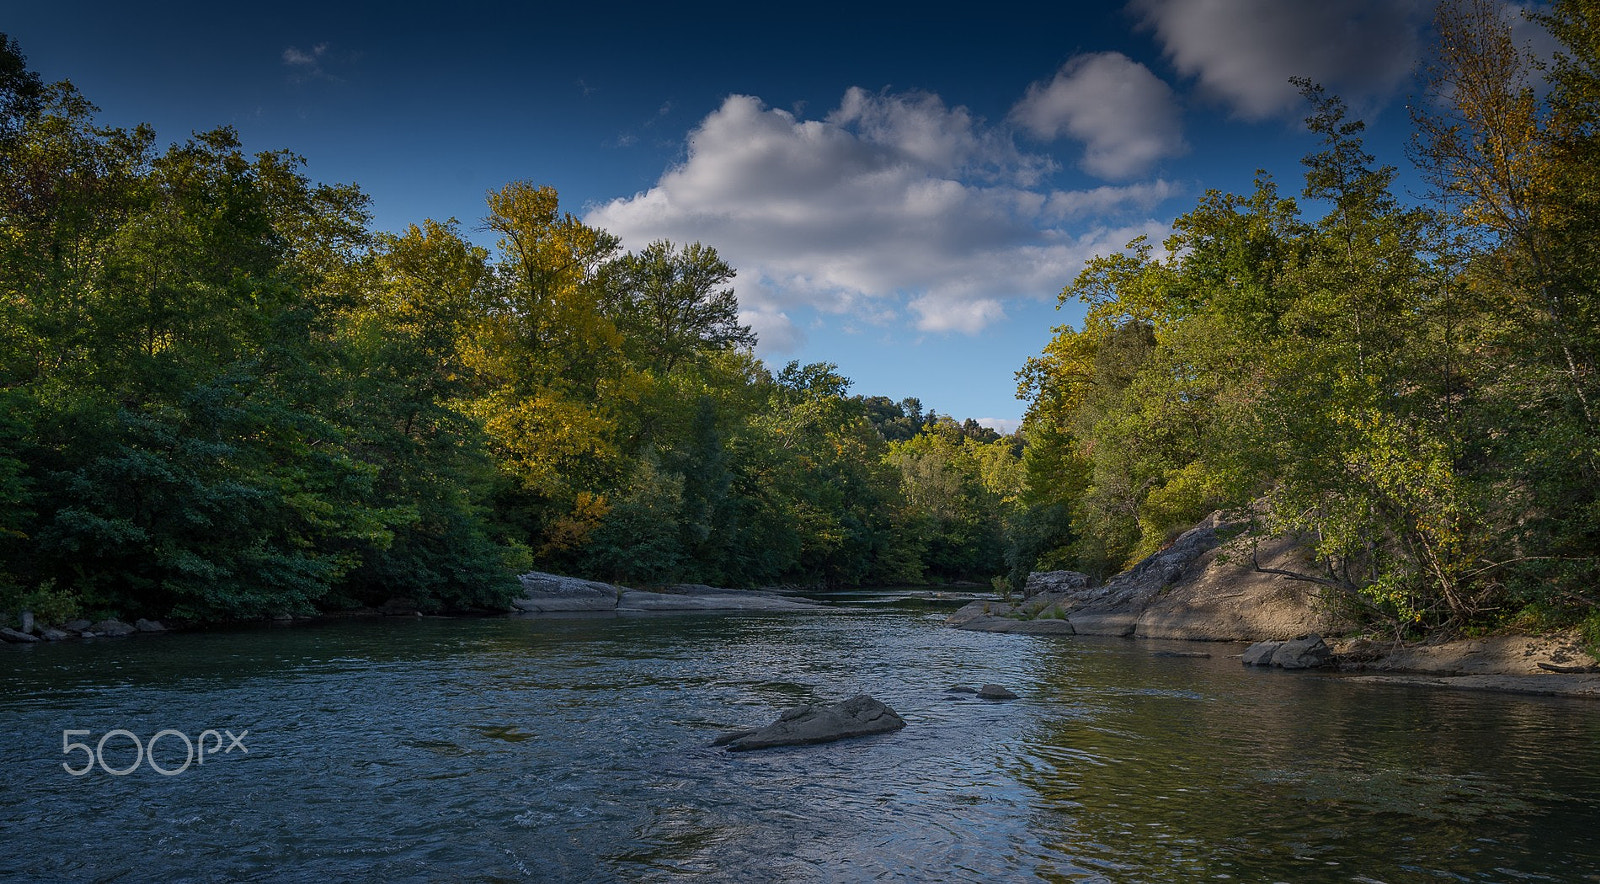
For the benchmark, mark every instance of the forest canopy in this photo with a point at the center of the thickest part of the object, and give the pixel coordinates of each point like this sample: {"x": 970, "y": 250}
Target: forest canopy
{"x": 223, "y": 395}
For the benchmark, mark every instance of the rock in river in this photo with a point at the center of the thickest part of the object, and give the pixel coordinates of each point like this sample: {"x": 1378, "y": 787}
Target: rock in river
{"x": 995, "y": 692}
{"x": 858, "y": 716}
{"x": 1306, "y": 652}
{"x": 113, "y": 628}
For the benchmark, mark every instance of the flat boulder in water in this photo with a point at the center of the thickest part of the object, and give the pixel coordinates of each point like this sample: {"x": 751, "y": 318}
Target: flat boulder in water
{"x": 858, "y": 716}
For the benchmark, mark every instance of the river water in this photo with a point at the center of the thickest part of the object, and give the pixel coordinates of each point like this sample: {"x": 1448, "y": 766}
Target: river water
{"x": 577, "y": 749}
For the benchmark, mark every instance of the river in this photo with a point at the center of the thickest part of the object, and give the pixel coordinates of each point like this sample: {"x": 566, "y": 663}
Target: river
{"x": 577, "y": 749}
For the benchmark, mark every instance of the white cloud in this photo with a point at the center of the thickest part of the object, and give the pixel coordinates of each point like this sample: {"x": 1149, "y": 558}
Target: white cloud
{"x": 1108, "y": 199}
{"x": 892, "y": 207}
{"x": 1244, "y": 51}
{"x": 1125, "y": 116}
{"x": 306, "y": 65}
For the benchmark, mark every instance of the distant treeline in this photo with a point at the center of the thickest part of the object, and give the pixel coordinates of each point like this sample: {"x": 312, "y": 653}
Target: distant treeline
{"x": 222, "y": 395}
{"x": 1411, "y": 389}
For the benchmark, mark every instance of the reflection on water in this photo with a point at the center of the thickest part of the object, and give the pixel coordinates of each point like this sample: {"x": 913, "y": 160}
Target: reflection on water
{"x": 577, "y": 750}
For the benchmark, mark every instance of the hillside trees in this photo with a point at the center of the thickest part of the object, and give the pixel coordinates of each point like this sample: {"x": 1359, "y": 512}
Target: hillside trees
{"x": 1409, "y": 390}
{"x": 223, "y": 396}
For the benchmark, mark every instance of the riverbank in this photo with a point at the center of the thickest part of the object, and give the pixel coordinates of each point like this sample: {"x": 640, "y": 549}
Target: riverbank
{"x": 1201, "y": 589}
{"x": 1546, "y": 665}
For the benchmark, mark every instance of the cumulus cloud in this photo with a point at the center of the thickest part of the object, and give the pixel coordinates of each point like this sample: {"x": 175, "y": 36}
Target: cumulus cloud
{"x": 894, "y": 206}
{"x": 1125, "y": 116}
{"x": 1244, "y": 51}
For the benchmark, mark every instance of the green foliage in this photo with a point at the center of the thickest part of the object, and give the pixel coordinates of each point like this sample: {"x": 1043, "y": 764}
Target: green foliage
{"x": 1408, "y": 389}
{"x": 222, "y": 396}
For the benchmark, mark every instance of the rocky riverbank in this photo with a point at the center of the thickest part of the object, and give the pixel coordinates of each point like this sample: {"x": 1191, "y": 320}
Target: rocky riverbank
{"x": 1195, "y": 590}
{"x": 32, "y": 632}
{"x": 543, "y": 594}
{"x": 1201, "y": 589}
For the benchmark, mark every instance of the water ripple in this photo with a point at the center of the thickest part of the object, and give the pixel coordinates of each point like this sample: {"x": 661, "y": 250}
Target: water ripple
{"x": 510, "y": 750}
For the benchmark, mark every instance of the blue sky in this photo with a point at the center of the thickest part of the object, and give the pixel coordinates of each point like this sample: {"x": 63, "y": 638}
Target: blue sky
{"x": 903, "y": 191}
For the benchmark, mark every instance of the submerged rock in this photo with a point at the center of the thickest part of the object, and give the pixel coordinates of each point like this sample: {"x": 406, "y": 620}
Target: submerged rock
{"x": 858, "y": 716}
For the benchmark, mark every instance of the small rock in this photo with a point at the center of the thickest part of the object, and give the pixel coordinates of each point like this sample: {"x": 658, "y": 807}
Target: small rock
{"x": 1554, "y": 667}
{"x": 1260, "y": 653}
{"x": 960, "y": 689}
{"x": 11, "y": 635}
{"x": 148, "y": 625}
{"x": 995, "y": 692}
{"x": 858, "y": 716}
{"x": 1306, "y": 652}
{"x": 77, "y": 625}
{"x": 112, "y": 628}
{"x": 53, "y": 635}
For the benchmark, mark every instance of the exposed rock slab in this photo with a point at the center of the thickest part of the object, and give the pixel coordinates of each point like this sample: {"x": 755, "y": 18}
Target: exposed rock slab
{"x": 112, "y": 628}
{"x": 858, "y": 716}
{"x": 1222, "y": 597}
{"x": 1055, "y": 582}
{"x": 7, "y": 634}
{"x": 734, "y": 600}
{"x": 1196, "y": 589}
{"x": 1486, "y": 655}
{"x": 554, "y": 594}
{"x": 1120, "y": 624}
{"x": 1548, "y": 685}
